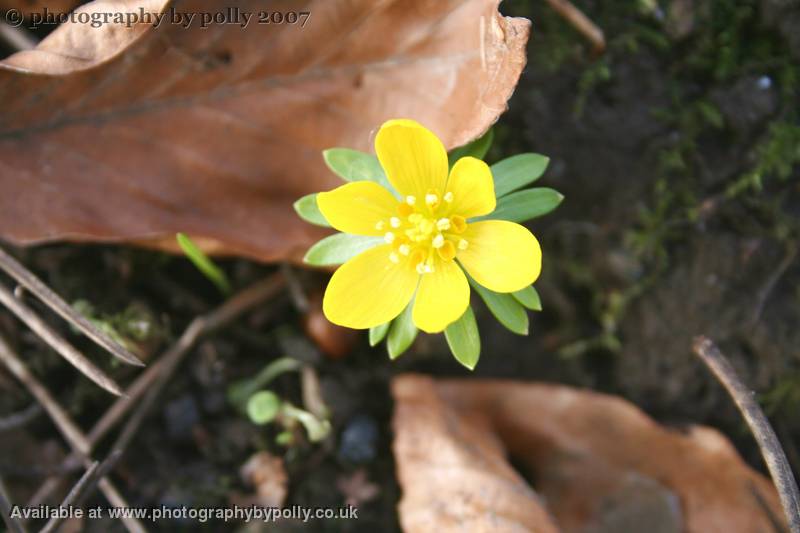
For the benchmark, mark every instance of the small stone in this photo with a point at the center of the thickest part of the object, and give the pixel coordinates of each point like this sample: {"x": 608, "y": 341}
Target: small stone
{"x": 359, "y": 440}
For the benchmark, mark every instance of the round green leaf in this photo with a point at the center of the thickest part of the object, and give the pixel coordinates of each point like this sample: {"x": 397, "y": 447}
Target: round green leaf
{"x": 263, "y": 407}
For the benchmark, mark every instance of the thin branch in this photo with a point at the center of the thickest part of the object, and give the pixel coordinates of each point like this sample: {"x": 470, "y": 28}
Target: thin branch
{"x": 27, "y": 279}
{"x": 13, "y": 524}
{"x": 156, "y": 375}
{"x": 769, "y": 285}
{"x": 299, "y": 298}
{"x": 17, "y": 38}
{"x": 768, "y": 442}
{"x": 83, "y": 487}
{"x": 20, "y": 418}
{"x": 57, "y": 342}
{"x": 581, "y": 22}
{"x": 73, "y": 435}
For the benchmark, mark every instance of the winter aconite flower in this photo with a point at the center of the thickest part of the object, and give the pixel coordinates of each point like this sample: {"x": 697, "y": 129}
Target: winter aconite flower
{"x": 429, "y": 238}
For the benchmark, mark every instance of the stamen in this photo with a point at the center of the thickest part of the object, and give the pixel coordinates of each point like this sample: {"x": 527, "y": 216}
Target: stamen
{"x": 438, "y": 241}
{"x": 447, "y": 251}
{"x": 389, "y": 237}
{"x": 458, "y": 223}
{"x": 394, "y": 258}
{"x": 411, "y": 200}
{"x": 404, "y": 249}
{"x": 443, "y": 224}
{"x": 428, "y": 268}
{"x": 420, "y": 268}
{"x": 448, "y": 197}
{"x": 394, "y": 222}
{"x": 463, "y": 244}
{"x": 380, "y": 225}
{"x": 431, "y": 199}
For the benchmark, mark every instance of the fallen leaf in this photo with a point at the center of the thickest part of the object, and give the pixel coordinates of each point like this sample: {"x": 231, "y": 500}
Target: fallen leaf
{"x": 357, "y": 488}
{"x": 598, "y": 463}
{"x": 135, "y": 133}
{"x": 267, "y": 475}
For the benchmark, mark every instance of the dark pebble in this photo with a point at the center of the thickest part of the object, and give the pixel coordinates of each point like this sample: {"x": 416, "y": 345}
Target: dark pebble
{"x": 359, "y": 440}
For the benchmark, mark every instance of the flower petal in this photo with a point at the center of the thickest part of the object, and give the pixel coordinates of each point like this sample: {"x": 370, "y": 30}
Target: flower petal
{"x": 413, "y": 158}
{"x": 357, "y": 207}
{"x": 442, "y": 297}
{"x": 502, "y": 256}
{"x": 369, "y": 290}
{"x": 472, "y": 186}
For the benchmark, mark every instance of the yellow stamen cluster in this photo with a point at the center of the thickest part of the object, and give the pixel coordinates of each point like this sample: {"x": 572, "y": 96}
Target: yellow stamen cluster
{"x": 421, "y": 230}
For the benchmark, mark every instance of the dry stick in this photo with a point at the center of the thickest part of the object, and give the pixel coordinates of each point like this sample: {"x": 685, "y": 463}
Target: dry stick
{"x": 765, "y": 436}
{"x": 73, "y": 435}
{"x": 20, "y": 418}
{"x": 582, "y": 23}
{"x": 83, "y": 487}
{"x": 17, "y": 38}
{"x": 12, "y": 523}
{"x": 27, "y": 279}
{"x": 151, "y": 378}
{"x": 57, "y": 342}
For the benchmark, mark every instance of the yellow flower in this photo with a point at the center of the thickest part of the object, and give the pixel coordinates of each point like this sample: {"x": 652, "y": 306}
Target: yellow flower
{"x": 428, "y": 236}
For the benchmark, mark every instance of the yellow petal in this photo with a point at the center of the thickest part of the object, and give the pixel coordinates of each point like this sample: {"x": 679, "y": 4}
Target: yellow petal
{"x": 369, "y": 290}
{"x": 502, "y": 256}
{"x": 413, "y": 158}
{"x": 442, "y": 297}
{"x": 357, "y": 207}
{"x": 472, "y": 186}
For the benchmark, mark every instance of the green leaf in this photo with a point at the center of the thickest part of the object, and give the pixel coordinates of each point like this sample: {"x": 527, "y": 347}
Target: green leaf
{"x": 337, "y": 249}
{"x": 263, "y": 407}
{"x": 464, "y": 339}
{"x": 401, "y": 333}
{"x": 307, "y": 208}
{"x": 377, "y": 333}
{"x": 517, "y": 171}
{"x": 525, "y": 205}
{"x": 476, "y": 148}
{"x": 505, "y": 308}
{"x": 352, "y": 165}
{"x": 529, "y": 298}
{"x": 204, "y": 263}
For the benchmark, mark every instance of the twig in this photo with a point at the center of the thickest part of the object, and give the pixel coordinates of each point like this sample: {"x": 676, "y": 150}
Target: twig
{"x": 27, "y": 279}
{"x": 299, "y": 298}
{"x": 769, "y": 285}
{"x": 581, "y": 22}
{"x": 17, "y": 38}
{"x": 84, "y": 486}
{"x": 20, "y": 418}
{"x": 771, "y": 449}
{"x": 157, "y": 374}
{"x": 57, "y": 342}
{"x": 12, "y": 523}
{"x": 73, "y": 435}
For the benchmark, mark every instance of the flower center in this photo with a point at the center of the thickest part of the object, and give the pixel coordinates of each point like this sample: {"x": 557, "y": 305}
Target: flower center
{"x": 423, "y": 229}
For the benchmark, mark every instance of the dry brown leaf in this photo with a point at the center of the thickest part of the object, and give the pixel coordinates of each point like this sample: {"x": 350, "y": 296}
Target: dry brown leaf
{"x": 120, "y": 133}
{"x": 598, "y": 462}
{"x": 267, "y": 475}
